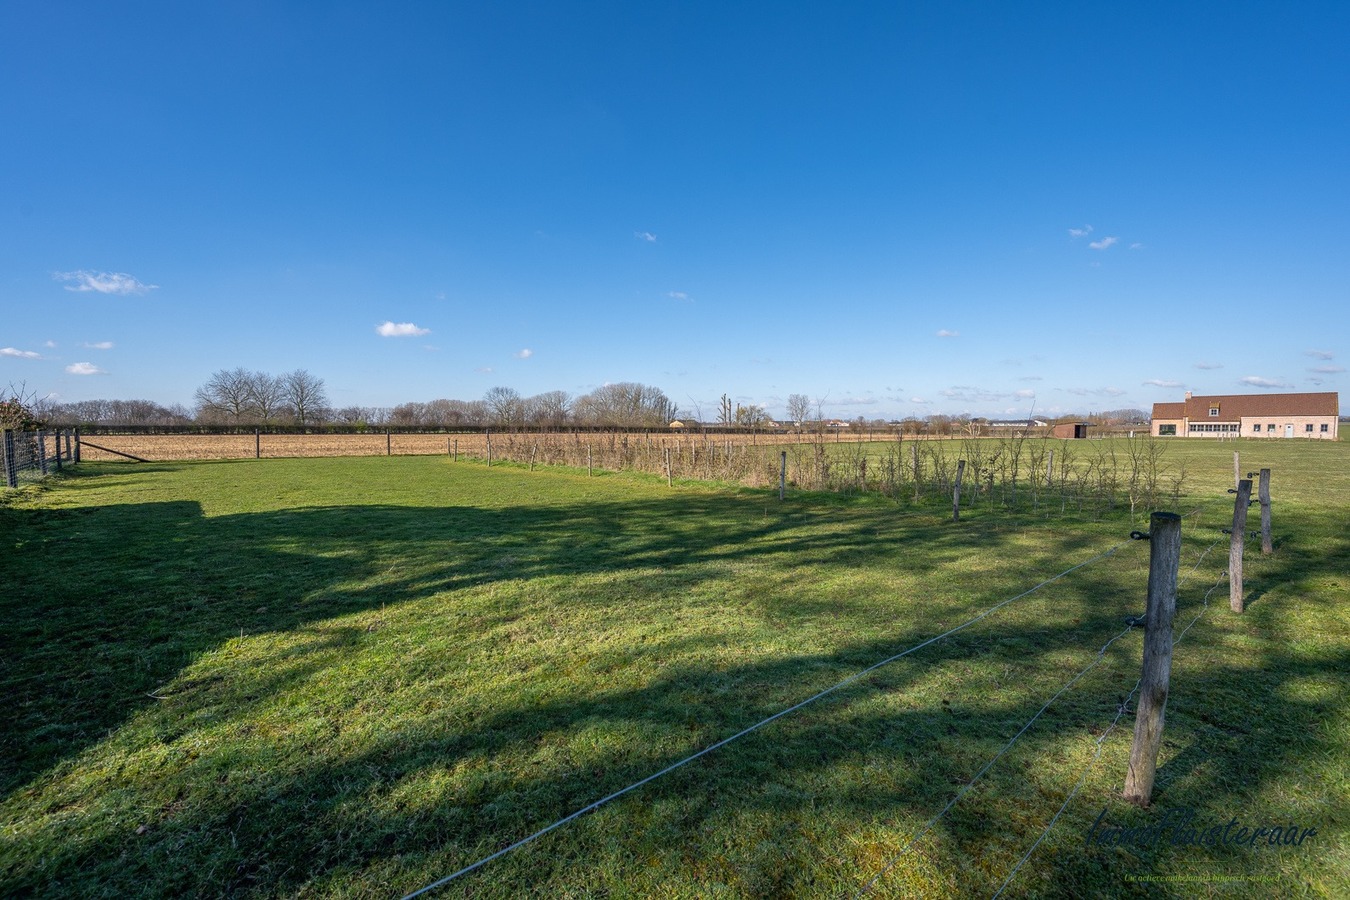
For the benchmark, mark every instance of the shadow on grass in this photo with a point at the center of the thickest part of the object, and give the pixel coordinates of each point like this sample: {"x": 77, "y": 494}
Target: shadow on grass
{"x": 112, "y": 602}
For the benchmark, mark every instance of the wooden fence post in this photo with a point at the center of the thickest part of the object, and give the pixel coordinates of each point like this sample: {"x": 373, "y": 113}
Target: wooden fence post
{"x": 489, "y": 448}
{"x": 42, "y": 452}
{"x": 590, "y": 461}
{"x": 956, "y": 494}
{"x": 11, "y": 464}
{"x": 58, "y": 450}
{"x": 1164, "y": 561}
{"x": 388, "y": 443}
{"x": 533, "y": 449}
{"x": 76, "y": 457}
{"x": 782, "y": 474}
{"x": 456, "y": 451}
{"x": 257, "y": 443}
{"x": 1244, "y": 498}
{"x": 1237, "y": 470}
{"x": 1263, "y": 492}
{"x": 669, "y": 482}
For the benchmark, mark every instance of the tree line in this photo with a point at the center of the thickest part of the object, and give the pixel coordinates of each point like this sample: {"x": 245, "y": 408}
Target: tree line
{"x": 240, "y": 397}
{"x": 234, "y": 397}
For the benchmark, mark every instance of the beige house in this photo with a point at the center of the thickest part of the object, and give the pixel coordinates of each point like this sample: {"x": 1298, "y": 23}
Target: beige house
{"x": 1313, "y": 416}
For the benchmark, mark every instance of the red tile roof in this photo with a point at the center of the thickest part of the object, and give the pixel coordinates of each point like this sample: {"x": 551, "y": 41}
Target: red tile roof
{"x": 1237, "y": 406}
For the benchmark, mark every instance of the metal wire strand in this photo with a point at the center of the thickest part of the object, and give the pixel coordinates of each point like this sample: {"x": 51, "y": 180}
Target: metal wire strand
{"x": 1124, "y": 707}
{"x": 755, "y": 727}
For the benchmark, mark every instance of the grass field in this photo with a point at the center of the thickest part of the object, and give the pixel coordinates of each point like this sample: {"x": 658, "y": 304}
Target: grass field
{"x": 350, "y": 677}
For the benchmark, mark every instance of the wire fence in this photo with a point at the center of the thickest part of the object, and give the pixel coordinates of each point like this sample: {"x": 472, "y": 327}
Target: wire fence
{"x": 766, "y": 721}
{"x": 966, "y": 788}
{"x": 30, "y": 456}
{"x": 1121, "y": 710}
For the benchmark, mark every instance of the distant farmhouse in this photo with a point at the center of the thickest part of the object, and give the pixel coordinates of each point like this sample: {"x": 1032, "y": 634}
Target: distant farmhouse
{"x": 1250, "y": 415}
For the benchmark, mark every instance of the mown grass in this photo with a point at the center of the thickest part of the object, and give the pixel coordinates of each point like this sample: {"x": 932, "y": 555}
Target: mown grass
{"x": 351, "y": 677}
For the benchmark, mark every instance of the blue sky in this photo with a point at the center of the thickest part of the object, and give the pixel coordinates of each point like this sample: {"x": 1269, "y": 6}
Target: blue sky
{"x": 898, "y": 209}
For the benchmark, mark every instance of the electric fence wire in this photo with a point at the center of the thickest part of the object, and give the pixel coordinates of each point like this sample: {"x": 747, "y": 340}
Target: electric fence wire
{"x": 755, "y": 727}
{"x": 966, "y": 788}
{"x": 1124, "y": 707}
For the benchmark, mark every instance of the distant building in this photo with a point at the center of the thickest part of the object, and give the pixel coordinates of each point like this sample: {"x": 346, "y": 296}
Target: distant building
{"x": 1015, "y": 424}
{"x": 1250, "y": 415}
{"x": 1070, "y": 430}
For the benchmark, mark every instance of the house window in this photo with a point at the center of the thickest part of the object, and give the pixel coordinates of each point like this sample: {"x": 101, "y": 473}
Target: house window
{"x": 1213, "y": 410}
{"x": 1270, "y": 427}
{"x": 1256, "y": 426}
{"x": 1172, "y": 430}
{"x": 1324, "y": 427}
{"x": 1308, "y": 427}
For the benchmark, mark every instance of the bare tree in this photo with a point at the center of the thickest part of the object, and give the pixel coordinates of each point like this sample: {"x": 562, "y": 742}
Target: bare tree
{"x": 228, "y": 394}
{"x": 269, "y": 395}
{"x": 550, "y": 408}
{"x": 625, "y": 404}
{"x": 504, "y": 406}
{"x": 798, "y": 408}
{"x": 305, "y": 395}
{"x": 751, "y": 416}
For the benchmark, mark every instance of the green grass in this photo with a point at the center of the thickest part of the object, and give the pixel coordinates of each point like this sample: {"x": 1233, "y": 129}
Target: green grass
{"x": 351, "y": 677}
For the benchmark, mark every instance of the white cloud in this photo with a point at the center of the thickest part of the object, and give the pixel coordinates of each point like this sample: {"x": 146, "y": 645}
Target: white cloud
{"x": 51, "y": 345}
{"x": 944, "y": 332}
{"x": 19, "y": 354}
{"x": 524, "y": 354}
{"x": 1158, "y": 382}
{"x": 83, "y": 368}
{"x": 1258, "y": 381}
{"x": 101, "y": 345}
{"x": 1104, "y": 243}
{"x": 678, "y": 295}
{"x": 1327, "y": 370}
{"x": 1024, "y": 394}
{"x": 645, "y": 236}
{"x": 400, "y": 329}
{"x": 1320, "y": 354}
{"x": 1094, "y": 392}
{"x": 919, "y": 400}
{"x": 484, "y": 370}
{"x": 1136, "y": 246}
{"x": 1080, "y": 232}
{"x": 1208, "y": 365}
{"x": 104, "y": 282}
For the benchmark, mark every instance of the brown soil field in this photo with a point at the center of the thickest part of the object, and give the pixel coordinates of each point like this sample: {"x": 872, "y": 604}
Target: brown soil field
{"x": 517, "y": 446}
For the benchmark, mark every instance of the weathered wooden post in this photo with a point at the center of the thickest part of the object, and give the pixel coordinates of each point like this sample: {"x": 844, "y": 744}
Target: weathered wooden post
{"x": 1263, "y": 492}
{"x": 11, "y": 464}
{"x": 534, "y": 448}
{"x": 782, "y": 474}
{"x": 257, "y": 443}
{"x": 1244, "y": 499}
{"x": 456, "y": 450}
{"x": 76, "y": 457}
{"x": 1237, "y": 469}
{"x": 669, "y": 482}
{"x": 58, "y": 450}
{"x": 488, "y": 435}
{"x": 956, "y": 494}
{"x": 388, "y": 442}
{"x": 42, "y": 452}
{"x": 590, "y": 461}
{"x": 1164, "y": 561}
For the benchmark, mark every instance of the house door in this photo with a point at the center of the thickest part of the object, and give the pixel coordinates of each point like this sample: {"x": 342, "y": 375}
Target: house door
{"x": 1289, "y": 431}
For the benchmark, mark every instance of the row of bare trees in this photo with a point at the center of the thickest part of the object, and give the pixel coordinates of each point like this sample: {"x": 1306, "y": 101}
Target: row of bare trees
{"x": 238, "y": 396}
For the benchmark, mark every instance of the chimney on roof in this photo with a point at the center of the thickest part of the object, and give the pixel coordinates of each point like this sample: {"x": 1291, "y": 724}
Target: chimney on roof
{"x": 1188, "y": 395}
